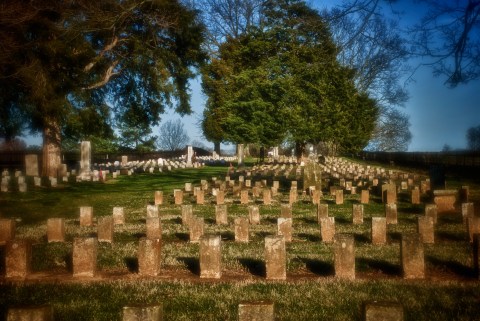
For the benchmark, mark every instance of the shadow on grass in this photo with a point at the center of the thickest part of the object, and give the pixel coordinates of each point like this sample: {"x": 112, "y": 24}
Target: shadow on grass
{"x": 183, "y": 236}
{"x": 263, "y": 234}
{"x": 270, "y": 220}
{"x": 360, "y": 238}
{"x": 308, "y": 220}
{"x": 68, "y": 258}
{"x": 254, "y": 266}
{"x": 192, "y": 264}
{"x": 310, "y": 237}
{"x": 318, "y": 267}
{"x": 378, "y": 265}
{"x": 227, "y": 236}
{"x": 394, "y": 237}
{"x": 450, "y": 236}
{"x": 414, "y": 209}
{"x": 451, "y": 266}
{"x": 342, "y": 220}
{"x": 132, "y": 264}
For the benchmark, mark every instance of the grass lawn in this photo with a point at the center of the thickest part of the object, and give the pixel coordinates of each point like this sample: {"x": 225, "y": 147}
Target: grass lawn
{"x": 311, "y": 292}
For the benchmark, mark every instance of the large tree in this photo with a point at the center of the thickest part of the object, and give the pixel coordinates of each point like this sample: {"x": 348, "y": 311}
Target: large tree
{"x": 283, "y": 78}
{"x": 62, "y": 57}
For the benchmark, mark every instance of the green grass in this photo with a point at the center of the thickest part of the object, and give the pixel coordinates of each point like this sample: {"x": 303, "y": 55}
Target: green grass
{"x": 450, "y": 291}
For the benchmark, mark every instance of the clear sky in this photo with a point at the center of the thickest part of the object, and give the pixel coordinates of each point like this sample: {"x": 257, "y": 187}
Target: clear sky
{"x": 438, "y": 115}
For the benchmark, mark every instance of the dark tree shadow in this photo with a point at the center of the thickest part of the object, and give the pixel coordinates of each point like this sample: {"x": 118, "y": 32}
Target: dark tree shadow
{"x": 452, "y": 266}
{"x": 2, "y": 260}
{"x": 192, "y": 264}
{"x": 131, "y": 263}
{"x": 254, "y": 266}
{"x": 68, "y": 258}
{"x": 319, "y": 267}
{"x": 383, "y": 266}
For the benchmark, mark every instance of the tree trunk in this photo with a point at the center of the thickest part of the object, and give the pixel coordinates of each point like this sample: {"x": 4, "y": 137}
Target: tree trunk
{"x": 51, "y": 148}
{"x": 216, "y": 147}
{"x": 300, "y": 150}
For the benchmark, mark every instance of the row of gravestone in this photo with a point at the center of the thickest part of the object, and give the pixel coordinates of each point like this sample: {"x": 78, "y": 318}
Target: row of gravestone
{"x": 247, "y": 311}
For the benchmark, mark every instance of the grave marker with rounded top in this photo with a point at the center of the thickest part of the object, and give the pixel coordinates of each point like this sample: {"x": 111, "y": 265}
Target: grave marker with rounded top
{"x": 84, "y": 257}
{"x": 143, "y": 312}
{"x": 344, "y": 256}
{"x": 149, "y": 256}
{"x": 210, "y": 257}
{"x": 412, "y": 256}
{"x": 55, "y": 230}
{"x": 18, "y": 258}
{"x": 275, "y": 258}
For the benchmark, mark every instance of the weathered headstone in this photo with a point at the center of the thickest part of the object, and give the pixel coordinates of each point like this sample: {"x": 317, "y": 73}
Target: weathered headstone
{"x": 467, "y": 211}
{"x": 322, "y": 211}
{"x": 275, "y": 258}
{"x": 220, "y": 197}
{"x": 221, "y": 214}
{"x": 473, "y": 227}
{"x": 241, "y": 229}
{"x": 118, "y": 216}
{"x": 292, "y": 197}
{"x": 412, "y": 256}
{"x": 431, "y": 211}
{"x": 339, "y": 196}
{"x": 154, "y": 228}
{"x": 187, "y": 214}
{"x": 30, "y": 313}
{"x": 357, "y": 213}
{"x": 178, "y": 195}
{"x": 86, "y": 216}
{"x": 379, "y": 230}
{"x": 327, "y": 229}
{"x": 244, "y": 197}
{"x": 389, "y": 193}
{"x": 286, "y": 210}
{"x": 210, "y": 257}
{"x": 85, "y": 160}
{"x": 445, "y": 200}
{"x": 256, "y": 311}
{"x": 196, "y": 229}
{"x": 415, "y": 199}
{"x": 149, "y": 256}
{"x": 152, "y": 211}
{"x": 316, "y": 196}
{"x": 56, "y": 230}
{"x": 391, "y": 213}
{"x": 344, "y": 256}
{"x": 383, "y": 311}
{"x": 18, "y": 258}
{"x": 425, "y": 229}
{"x": 158, "y": 198}
{"x": 365, "y": 196}
{"x": 84, "y": 257}
{"x": 105, "y": 229}
{"x": 267, "y": 196}
{"x": 200, "y": 197}
{"x": 143, "y": 312}
{"x": 254, "y": 214}
{"x": 284, "y": 228}
{"x": 7, "y": 230}
{"x": 189, "y": 156}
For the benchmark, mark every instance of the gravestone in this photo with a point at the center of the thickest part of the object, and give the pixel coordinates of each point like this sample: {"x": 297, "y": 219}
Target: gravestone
{"x": 473, "y": 227}
{"x": 267, "y": 197}
{"x": 327, "y": 229}
{"x": 379, "y": 230}
{"x": 384, "y": 311}
{"x": 322, "y": 211}
{"x": 221, "y": 214}
{"x": 425, "y": 229}
{"x": 18, "y": 258}
{"x": 445, "y": 200}
{"x": 431, "y": 211}
{"x": 292, "y": 197}
{"x": 284, "y": 228}
{"x": 196, "y": 229}
{"x": 256, "y": 311}
{"x": 365, "y": 196}
{"x": 105, "y": 229}
{"x": 286, "y": 210}
{"x": 275, "y": 258}
{"x": 412, "y": 256}
{"x": 143, "y": 312}
{"x": 220, "y": 199}
{"x": 254, "y": 214}
{"x": 415, "y": 196}
{"x": 158, "y": 198}
{"x": 344, "y": 256}
{"x": 210, "y": 257}
{"x": 312, "y": 176}
{"x": 189, "y": 156}
{"x": 149, "y": 256}
{"x": 118, "y": 216}
{"x": 55, "y": 230}
{"x": 339, "y": 196}
{"x": 7, "y": 230}
{"x": 467, "y": 211}
{"x": 244, "y": 197}
{"x": 357, "y": 213}
{"x": 241, "y": 229}
{"x": 178, "y": 195}
{"x": 154, "y": 228}
{"x": 240, "y": 154}
{"x": 464, "y": 194}
{"x": 187, "y": 214}
{"x": 84, "y": 257}
{"x": 200, "y": 197}
{"x": 30, "y": 313}
{"x": 391, "y": 213}
{"x": 152, "y": 211}
{"x": 86, "y": 216}
{"x": 389, "y": 193}
{"x": 316, "y": 196}
{"x": 31, "y": 165}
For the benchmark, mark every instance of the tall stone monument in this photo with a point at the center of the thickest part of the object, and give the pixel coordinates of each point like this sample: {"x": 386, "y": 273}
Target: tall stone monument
{"x": 85, "y": 160}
